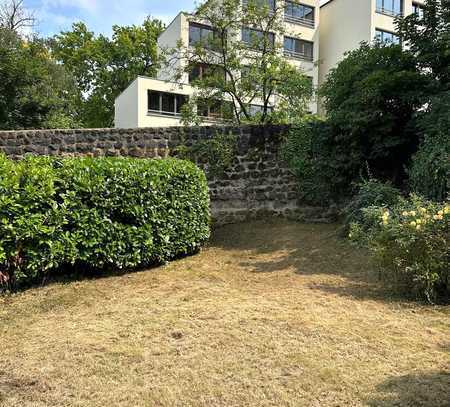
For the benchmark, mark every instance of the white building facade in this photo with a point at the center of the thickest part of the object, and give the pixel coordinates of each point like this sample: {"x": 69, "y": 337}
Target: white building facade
{"x": 156, "y": 102}
{"x": 344, "y": 24}
{"x": 316, "y": 36}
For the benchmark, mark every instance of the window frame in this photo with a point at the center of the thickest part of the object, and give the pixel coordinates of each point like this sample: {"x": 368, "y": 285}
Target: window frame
{"x": 255, "y": 30}
{"x": 254, "y": 109}
{"x": 295, "y": 54}
{"x": 299, "y": 20}
{"x": 208, "y": 104}
{"x": 176, "y": 97}
{"x": 203, "y": 68}
{"x": 202, "y": 27}
{"x": 391, "y": 12}
{"x": 270, "y": 7}
{"x": 393, "y": 34}
{"x": 418, "y": 6}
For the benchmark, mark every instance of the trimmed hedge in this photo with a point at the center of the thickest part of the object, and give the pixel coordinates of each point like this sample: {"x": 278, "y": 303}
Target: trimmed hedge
{"x": 97, "y": 213}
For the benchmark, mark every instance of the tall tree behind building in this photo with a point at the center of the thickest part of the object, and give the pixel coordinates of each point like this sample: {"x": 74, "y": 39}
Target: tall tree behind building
{"x": 103, "y": 66}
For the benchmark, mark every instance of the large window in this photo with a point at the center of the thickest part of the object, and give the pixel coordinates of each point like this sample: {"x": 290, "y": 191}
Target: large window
{"x": 418, "y": 10}
{"x": 390, "y": 7}
{"x": 255, "y": 110}
{"x": 200, "y": 71}
{"x": 261, "y": 3}
{"x": 215, "y": 109}
{"x": 203, "y": 35}
{"x": 256, "y": 38}
{"x": 387, "y": 37}
{"x": 299, "y": 13}
{"x": 300, "y": 49}
{"x": 168, "y": 104}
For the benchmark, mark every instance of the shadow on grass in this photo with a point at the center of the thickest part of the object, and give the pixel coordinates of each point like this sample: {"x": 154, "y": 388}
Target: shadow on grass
{"x": 307, "y": 249}
{"x": 68, "y": 274}
{"x": 427, "y": 390}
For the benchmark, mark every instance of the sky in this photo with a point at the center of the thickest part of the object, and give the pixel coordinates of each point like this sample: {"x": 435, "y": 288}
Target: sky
{"x": 100, "y": 15}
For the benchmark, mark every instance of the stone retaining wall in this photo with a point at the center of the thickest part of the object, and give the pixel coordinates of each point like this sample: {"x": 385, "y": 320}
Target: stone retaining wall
{"x": 257, "y": 184}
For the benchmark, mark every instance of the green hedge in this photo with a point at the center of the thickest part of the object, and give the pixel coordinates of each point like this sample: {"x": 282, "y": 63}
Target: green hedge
{"x": 97, "y": 213}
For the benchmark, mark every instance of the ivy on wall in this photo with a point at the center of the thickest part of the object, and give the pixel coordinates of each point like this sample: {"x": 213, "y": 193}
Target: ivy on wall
{"x": 215, "y": 154}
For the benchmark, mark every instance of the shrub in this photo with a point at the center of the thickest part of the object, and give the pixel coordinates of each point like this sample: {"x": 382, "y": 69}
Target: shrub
{"x": 411, "y": 243}
{"x": 430, "y": 169}
{"x": 97, "y": 213}
{"x": 370, "y": 193}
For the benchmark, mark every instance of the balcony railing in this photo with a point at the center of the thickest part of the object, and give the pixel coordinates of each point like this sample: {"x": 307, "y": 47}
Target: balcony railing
{"x": 389, "y": 12}
{"x": 299, "y": 20}
{"x": 298, "y": 55}
{"x": 162, "y": 113}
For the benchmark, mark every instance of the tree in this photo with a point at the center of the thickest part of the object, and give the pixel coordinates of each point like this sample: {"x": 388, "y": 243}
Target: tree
{"x": 371, "y": 99}
{"x": 14, "y": 16}
{"x": 236, "y": 76}
{"x": 427, "y": 35}
{"x": 429, "y": 174}
{"x": 104, "y": 66}
{"x": 35, "y": 91}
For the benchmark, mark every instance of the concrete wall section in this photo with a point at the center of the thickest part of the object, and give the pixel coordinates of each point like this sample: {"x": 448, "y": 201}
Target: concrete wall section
{"x": 344, "y": 24}
{"x": 126, "y": 107}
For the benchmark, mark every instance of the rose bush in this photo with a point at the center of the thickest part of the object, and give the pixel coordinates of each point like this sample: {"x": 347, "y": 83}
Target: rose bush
{"x": 411, "y": 244}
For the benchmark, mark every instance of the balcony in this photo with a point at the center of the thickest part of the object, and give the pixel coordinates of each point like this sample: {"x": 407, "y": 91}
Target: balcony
{"x": 299, "y": 20}
{"x": 389, "y": 12}
{"x": 298, "y": 55}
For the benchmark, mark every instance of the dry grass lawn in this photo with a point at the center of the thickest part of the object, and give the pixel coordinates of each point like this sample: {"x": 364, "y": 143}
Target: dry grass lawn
{"x": 270, "y": 314}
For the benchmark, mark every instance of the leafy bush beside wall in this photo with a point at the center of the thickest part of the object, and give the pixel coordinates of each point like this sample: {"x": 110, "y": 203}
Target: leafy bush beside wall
{"x": 307, "y": 152}
{"x": 102, "y": 212}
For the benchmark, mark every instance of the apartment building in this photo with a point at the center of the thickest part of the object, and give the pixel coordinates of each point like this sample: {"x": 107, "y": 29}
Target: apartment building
{"x": 344, "y": 24}
{"x": 317, "y": 34}
{"x": 156, "y": 102}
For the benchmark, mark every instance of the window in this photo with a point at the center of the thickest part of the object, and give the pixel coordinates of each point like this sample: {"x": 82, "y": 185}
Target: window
{"x": 200, "y": 71}
{"x": 254, "y": 110}
{"x": 202, "y": 34}
{"x": 270, "y": 4}
{"x": 300, "y": 49}
{"x": 165, "y": 103}
{"x": 257, "y": 39}
{"x": 418, "y": 10}
{"x": 215, "y": 109}
{"x": 387, "y": 37}
{"x": 310, "y": 83}
{"x": 390, "y": 7}
{"x": 299, "y": 13}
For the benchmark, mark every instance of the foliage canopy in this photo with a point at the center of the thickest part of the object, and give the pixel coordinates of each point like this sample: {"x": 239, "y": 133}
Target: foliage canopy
{"x": 35, "y": 91}
{"x": 371, "y": 99}
{"x": 104, "y": 67}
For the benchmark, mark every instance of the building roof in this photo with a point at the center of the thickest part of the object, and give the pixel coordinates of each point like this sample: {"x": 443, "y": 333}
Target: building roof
{"x": 325, "y": 2}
